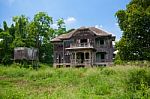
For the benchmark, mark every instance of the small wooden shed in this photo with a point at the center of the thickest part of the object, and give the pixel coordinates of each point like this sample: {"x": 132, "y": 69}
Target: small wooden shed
{"x": 21, "y": 53}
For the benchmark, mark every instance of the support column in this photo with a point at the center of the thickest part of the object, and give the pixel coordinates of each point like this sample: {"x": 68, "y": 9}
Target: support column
{"x": 75, "y": 57}
{"x": 71, "y": 57}
{"x": 90, "y": 57}
{"x": 84, "y": 57}
{"x": 94, "y": 57}
{"x": 88, "y": 42}
{"x": 63, "y": 53}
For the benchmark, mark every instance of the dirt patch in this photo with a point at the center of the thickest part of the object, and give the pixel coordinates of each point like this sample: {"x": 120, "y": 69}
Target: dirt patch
{"x": 4, "y": 78}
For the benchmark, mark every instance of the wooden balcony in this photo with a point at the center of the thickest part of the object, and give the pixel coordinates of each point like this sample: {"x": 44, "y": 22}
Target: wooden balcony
{"x": 81, "y": 46}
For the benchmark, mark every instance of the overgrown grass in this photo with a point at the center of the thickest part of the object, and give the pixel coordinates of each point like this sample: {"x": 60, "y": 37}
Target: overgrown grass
{"x": 117, "y": 82}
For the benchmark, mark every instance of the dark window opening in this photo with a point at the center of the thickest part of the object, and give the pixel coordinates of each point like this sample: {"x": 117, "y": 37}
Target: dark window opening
{"x": 102, "y": 56}
{"x": 83, "y": 41}
{"x": 101, "y": 42}
{"x": 87, "y": 55}
{"x": 67, "y": 65}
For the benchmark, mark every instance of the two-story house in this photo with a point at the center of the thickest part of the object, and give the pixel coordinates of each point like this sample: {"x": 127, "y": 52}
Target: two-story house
{"x": 86, "y": 47}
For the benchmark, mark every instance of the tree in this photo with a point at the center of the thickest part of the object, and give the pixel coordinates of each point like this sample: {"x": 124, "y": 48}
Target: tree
{"x": 21, "y": 24}
{"x": 39, "y": 34}
{"x": 5, "y": 50}
{"x": 135, "y": 24}
{"x": 61, "y": 27}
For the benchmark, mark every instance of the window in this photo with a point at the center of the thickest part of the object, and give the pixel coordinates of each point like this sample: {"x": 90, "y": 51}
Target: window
{"x": 83, "y": 40}
{"x": 86, "y": 55}
{"x": 102, "y": 56}
{"x": 98, "y": 55}
{"x": 97, "y": 42}
{"x": 67, "y": 43}
{"x": 101, "y": 42}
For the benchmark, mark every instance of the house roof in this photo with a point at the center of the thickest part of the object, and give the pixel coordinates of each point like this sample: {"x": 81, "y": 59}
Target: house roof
{"x": 99, "y": 32}
{"x": 96, "y": 31}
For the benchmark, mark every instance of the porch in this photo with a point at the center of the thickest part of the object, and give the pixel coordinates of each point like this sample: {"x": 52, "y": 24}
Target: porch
{"x": 81, "y": 62}
{"x": 81, "y": 58}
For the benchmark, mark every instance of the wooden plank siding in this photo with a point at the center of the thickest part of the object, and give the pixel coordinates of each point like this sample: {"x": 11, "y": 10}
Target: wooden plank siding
{"x": 82, "y": 46}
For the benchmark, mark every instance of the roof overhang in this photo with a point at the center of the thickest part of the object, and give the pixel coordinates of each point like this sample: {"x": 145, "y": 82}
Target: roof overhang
{"x": 95, "y": 31}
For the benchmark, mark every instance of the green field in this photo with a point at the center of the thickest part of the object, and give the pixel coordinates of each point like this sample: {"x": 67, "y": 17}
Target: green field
{"x": 116, "y": 82}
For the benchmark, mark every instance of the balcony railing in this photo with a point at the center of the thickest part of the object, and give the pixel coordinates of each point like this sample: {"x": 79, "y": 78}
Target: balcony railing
{"x": 81, "y": 62}
{"x": 81, "y": 45}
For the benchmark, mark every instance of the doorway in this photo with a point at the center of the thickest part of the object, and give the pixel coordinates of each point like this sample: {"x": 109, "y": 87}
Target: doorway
{"x": 80, "y": 57}
{"x": 100, "y": 56}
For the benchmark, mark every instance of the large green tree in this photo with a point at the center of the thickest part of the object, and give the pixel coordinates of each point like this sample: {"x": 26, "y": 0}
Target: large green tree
{"x": 134, "y": 21}
{"x": 41, "y": 32}
{"x": 39, "y": 35}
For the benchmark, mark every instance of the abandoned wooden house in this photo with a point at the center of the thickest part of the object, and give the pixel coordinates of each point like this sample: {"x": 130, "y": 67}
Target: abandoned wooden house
{"x": 86, "y": 46}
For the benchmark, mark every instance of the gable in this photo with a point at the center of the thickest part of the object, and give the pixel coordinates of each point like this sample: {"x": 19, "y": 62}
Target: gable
{"x": 82, "y": 31}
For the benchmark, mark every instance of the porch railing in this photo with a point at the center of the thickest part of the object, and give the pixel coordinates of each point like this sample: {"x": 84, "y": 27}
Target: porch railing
{"x": 81, "y": 62}
{"x": 81, "y": 45}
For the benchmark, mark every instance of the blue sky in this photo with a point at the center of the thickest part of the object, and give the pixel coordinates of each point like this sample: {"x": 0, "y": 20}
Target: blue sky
{"x": 76, "y": 13}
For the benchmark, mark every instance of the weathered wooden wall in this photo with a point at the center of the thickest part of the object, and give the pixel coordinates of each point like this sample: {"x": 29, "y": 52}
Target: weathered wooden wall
{"x": 21, "y": 53}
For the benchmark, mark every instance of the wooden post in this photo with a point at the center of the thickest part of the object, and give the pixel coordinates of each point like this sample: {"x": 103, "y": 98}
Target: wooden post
{"x": 90, "y": 57}
{"x": 88, "y": 42}
{"x": 84, "y": 58}
{"x": 75, "y": 57}
{"x": 63, "y": 53}
{"x": 71, "y": 58}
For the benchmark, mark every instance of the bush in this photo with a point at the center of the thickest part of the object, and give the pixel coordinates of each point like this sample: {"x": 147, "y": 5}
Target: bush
{"x": 13, "y": 71}
{"x": 7, "y": 60}
{"x": 138, "y": 83}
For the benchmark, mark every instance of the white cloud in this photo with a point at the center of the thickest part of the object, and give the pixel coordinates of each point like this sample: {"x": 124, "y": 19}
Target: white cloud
{"x": 54, "y": 26}
{"x": 117, "y": 24}
{"x": 99, "y": 26}
{"x": 70, "y": 20}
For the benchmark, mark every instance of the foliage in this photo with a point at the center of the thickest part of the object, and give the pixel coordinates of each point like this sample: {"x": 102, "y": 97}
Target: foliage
{"x": 135, "y": 24}
{"x": 138, "y": 83}
{"x": 5, "y": 45}
{"x": 36, "y": 33}
{"x": 21, "y": 23}
{"x": 41, "y": 35}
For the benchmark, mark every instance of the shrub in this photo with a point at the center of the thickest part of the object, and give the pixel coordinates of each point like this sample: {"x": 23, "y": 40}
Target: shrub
{"x": 13, "y": 71}
{"x": 108, "y": 71}
{"x": 138, "y": 83}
